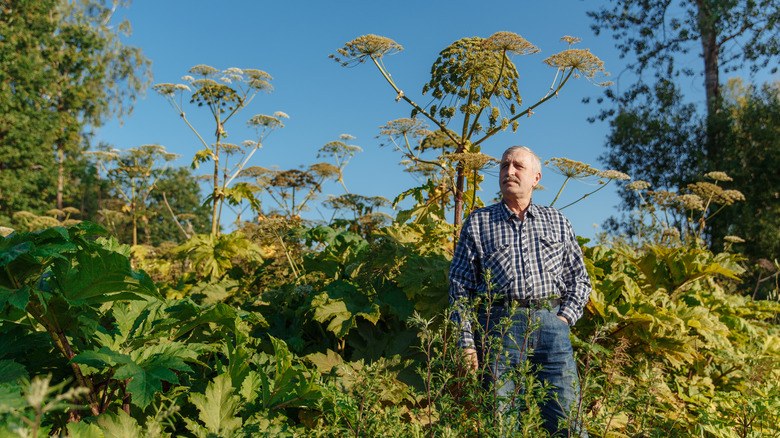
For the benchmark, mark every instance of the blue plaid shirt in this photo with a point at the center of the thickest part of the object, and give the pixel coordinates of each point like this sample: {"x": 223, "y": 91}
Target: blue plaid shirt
{"x": 536, "y": 258}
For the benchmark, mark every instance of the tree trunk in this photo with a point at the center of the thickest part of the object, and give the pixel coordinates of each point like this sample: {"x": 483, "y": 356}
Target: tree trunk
{"x": 710, "y": 53}
{"x": 60, "y": 172}
{"x": 135, "y": 225}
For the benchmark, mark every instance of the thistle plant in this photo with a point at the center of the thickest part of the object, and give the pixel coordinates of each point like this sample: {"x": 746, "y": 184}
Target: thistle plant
{"x": 225, "y": 93}
{"x": 477, "y": 79}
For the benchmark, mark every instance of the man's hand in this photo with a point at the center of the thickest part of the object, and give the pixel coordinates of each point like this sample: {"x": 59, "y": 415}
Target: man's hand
{"x": 564, "y": 319}
{"x": 470, "y": 357}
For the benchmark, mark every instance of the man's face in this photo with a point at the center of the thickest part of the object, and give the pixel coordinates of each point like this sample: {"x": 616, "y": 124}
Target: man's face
{"x": 517, "y": 176}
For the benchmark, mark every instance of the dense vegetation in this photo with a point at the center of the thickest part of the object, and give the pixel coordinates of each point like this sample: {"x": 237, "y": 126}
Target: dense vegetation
{"x": 125, "y": 310}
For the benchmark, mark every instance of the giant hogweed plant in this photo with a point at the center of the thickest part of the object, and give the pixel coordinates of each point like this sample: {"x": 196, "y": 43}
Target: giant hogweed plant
{"x": 477, "y": 79}
{"x": 224, "y": 94}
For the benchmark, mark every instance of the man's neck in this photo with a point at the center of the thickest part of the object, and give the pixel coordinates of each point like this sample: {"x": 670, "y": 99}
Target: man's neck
{"x": 518, "y": 206}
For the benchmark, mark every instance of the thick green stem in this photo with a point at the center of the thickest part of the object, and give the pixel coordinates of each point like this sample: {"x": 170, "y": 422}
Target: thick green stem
{"x": 61, "y": 342}
{"x": 583, "y": 196}
{"x": 560, "y": 190}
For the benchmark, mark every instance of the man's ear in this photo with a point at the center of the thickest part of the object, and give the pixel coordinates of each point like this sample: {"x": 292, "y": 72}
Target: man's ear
{"x": 537, "y": 178}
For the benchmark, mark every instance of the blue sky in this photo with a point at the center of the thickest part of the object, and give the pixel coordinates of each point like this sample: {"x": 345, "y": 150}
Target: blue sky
{"x": 292, "y": 40}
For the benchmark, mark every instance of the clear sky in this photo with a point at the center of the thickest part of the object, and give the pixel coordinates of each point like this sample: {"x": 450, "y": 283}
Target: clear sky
{"x": 291, "y": 40}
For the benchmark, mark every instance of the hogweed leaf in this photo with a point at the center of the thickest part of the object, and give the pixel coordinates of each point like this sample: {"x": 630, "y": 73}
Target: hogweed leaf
{"x": 218, "y": 406}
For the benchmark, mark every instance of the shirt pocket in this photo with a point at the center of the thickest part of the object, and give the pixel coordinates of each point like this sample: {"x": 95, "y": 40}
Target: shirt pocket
{"x": 498, "y": 267}
{"x": 552, "y": 254}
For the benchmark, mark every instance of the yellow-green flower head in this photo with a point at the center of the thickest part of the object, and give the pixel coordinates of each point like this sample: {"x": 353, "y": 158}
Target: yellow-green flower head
{"x": 638, "y": 185}
{"x": 169, "y": 89}
{"x": 571, "y": 39}
{"x": 510, "y": 42}
{"x": 570, "y": 168}
{"x": 405, "y": 127}
{"x": 718, "y": 176}
{"x": 203, "y": 70}
{"x": 672, "y": 233}
{"x": 471, "y": 161}
{"x": 690, "y": 201}
{"x": 715, "y": 193}
{"x": 586, "y": 63}
{"x": 613, "y": 174}
{"x": 734, "y": 239}
{"x": 663, "y": 198}
{"x": 366, "y": 46}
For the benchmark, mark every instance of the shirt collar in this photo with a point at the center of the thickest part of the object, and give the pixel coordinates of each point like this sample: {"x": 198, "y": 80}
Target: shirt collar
{"x": 506, "y": 213}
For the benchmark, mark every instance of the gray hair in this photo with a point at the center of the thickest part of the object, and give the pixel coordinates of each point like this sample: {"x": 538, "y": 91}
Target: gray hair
{"x": 537, "y": 161}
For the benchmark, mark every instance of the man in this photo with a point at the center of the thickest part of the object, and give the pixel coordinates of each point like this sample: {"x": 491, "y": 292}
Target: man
{"x": 530, "y": 256}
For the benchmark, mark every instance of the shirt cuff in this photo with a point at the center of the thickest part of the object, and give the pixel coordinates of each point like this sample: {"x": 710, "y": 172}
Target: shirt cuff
{"x": 569, "y": 315}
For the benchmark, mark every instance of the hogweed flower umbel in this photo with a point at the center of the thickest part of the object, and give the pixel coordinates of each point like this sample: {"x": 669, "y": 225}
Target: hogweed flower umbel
{"x": 719, "y": 176}
{"x": 638, "y": 185}
{"x": 366, "y": 46}
{"x": 510, "y": 42}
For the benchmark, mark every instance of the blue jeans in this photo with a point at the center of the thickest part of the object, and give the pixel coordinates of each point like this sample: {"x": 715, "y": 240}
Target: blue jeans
{"x": 539, "y": 336}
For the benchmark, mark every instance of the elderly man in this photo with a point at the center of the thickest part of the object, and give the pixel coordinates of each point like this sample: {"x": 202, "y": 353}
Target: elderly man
{"x": 530, "y": 257}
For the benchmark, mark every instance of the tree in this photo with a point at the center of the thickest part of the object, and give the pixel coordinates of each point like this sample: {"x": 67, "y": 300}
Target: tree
{"x": 24, "y": 123}
{"x": 224, "y": 94}
{"x": 65, "y": 70}
{"x": 732, "y": 34}
{"x": 753, "y": 117}
{"x": 657, "y": 134}
{"x": 476, "y": 78}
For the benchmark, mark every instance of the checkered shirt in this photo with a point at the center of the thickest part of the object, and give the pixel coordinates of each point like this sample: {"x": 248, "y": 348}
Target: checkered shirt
{"x": 536, "y": 258}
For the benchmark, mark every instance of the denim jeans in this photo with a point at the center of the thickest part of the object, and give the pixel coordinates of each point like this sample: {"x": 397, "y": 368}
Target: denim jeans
{"x": 548, "y": 348}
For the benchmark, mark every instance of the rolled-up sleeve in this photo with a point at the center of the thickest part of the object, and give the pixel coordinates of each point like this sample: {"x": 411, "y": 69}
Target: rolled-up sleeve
{"x": 463, "y": 279}
{"x": 575, "y": 276}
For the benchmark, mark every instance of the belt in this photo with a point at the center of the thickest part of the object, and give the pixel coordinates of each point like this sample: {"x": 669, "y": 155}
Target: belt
{"x": 500, "y": 301}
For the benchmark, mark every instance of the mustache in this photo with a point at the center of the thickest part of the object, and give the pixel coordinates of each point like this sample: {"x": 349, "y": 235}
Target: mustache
{"x": 510, "y": 178}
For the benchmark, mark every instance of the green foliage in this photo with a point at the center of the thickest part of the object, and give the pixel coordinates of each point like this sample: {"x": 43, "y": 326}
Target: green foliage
{"x": 668, "y": 347}
{"x": 64, "y": 69}
{"x": 214, "y": 255}
{"x": 679, "y": 334}
{"x": 652, "y": 121}
{"x": 23, "y": 405}
{"x": 752, "y": 115}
